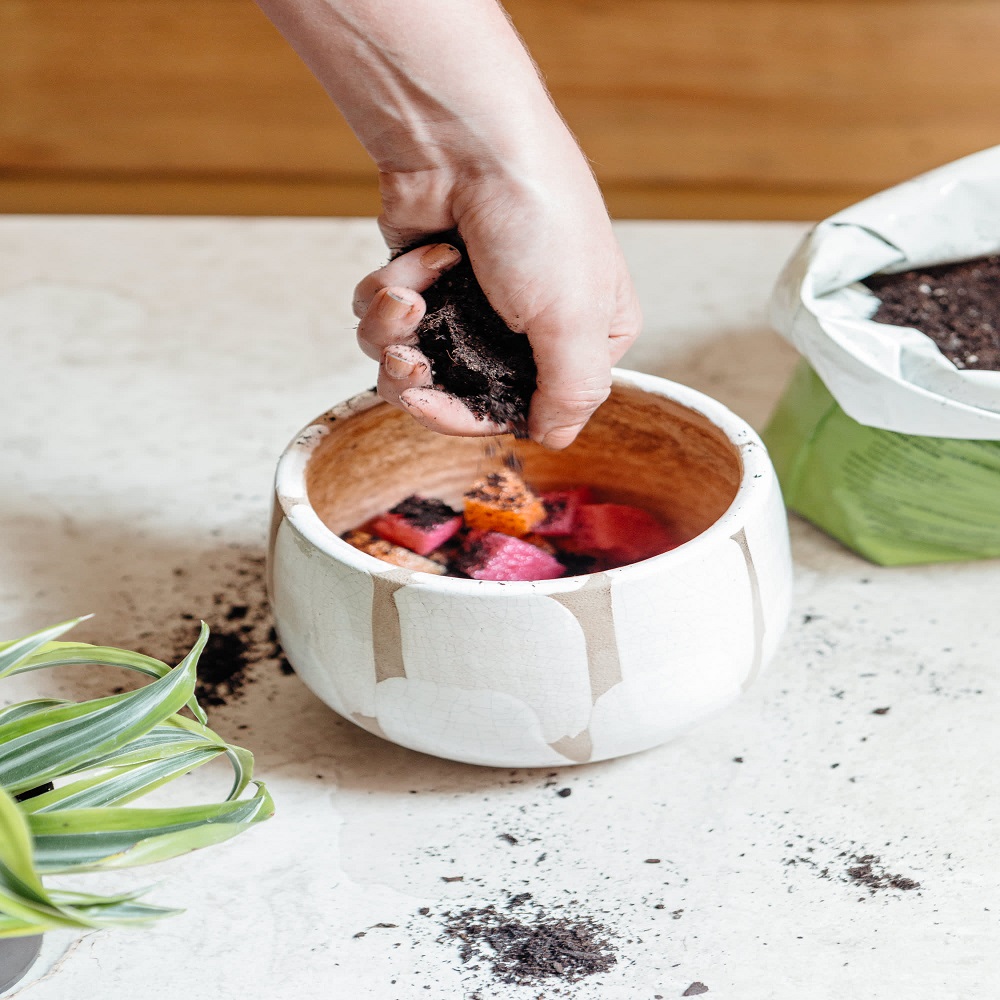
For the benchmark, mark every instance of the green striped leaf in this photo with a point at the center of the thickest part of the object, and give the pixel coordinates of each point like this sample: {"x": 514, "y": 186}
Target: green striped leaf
{"x": 13, "y": 653}
{"x": 172, "y": 735}
{"x": 74, "y": 840}
{"x": 121, "y": 784}
{"x": 50, "y": 742}
{"x": 113, "y": 750}
{"x": 25, "y": 708}
{"x": 68, "y": 654}
{"x": 23, "y": 898}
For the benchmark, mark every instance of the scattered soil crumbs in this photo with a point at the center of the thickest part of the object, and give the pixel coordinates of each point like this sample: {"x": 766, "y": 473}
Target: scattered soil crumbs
{"x": 853, "y": 867}
{"x": 869, "y": 872}
{"x": 695, "y": 989}
{"x": 242, "y": 635}
{"x": 956, "y": 305}
{"x": 473, "y": 353}
{"x": 526, "y": 948}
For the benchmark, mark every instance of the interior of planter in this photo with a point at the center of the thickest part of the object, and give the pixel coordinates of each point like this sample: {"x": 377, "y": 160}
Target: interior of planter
{"x": 639, "y": 448}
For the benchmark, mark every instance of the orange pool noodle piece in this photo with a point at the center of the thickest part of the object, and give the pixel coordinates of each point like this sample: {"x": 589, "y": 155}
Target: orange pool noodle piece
{"x": 395, "y": 554}
{"x": 501, "y": 501}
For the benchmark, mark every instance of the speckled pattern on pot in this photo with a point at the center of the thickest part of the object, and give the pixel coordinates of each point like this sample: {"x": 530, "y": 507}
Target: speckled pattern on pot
{"x": 534, "y": 674}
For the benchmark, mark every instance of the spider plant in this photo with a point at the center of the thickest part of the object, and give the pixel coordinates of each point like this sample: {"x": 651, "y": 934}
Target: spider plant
{"x": 70, "y": 773}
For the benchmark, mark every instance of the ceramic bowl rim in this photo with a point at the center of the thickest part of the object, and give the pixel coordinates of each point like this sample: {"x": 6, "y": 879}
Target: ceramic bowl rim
{"x": 757, "y": 475}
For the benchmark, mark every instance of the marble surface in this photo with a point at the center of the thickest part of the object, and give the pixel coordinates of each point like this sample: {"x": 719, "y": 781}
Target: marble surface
{"x": 151, "y": 372}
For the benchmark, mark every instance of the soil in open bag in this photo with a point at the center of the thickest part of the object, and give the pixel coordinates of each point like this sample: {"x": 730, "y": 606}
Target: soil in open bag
{"x": 897, "y": 499}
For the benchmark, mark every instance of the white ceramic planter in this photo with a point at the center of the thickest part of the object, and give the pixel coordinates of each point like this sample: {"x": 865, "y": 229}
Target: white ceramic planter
{"x": 534, "y": 674}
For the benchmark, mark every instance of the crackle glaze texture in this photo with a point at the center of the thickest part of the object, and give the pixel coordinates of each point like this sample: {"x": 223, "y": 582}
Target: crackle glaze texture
{"x": 534, "y": 674}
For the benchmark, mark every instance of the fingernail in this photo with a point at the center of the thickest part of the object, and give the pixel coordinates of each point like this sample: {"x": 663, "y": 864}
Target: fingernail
{"x": 561, "y": 437}
{"x": 391, "y": 306}
{"x": 440, "y": 257}
{"x": 396, "y": 367}
{"x": 410, "y": 402}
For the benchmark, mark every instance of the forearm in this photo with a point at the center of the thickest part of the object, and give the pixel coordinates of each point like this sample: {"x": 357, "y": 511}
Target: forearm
{"x": 424, "y": 84}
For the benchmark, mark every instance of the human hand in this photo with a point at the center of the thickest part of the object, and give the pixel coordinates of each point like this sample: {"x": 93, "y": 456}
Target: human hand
{"x": 542, "y": 248}
{"x": 449, "y": 104}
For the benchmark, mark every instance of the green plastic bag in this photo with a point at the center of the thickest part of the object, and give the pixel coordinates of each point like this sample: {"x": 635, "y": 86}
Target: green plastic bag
{"x": 897, "y": 499}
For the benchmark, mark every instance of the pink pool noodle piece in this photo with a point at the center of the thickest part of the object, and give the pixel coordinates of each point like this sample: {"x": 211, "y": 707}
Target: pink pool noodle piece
{"x": 561, "y": 507}
{"x": 419, "y": 524}
{"x": 490, "y": 555}
{"x": 621, "y": 533}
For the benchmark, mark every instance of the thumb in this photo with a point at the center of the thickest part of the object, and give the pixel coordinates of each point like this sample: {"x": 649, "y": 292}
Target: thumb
{"x": 574, "y": 378}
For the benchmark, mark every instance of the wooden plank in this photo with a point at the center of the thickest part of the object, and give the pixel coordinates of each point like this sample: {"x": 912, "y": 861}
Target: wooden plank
{"x": 184, "y": 85}
{"x": 58, "y": 194}
{"x": 786, "y": 95}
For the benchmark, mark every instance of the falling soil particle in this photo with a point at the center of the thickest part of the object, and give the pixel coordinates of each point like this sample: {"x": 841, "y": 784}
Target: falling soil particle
{"x": 529, "y": 947}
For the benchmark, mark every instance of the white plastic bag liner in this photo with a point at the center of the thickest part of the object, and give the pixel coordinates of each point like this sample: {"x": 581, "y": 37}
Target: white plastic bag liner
{"x": 886, "y": 376}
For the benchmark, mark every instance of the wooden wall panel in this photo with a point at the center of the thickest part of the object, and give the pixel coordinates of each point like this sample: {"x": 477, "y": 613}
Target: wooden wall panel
{"x": 712, "y": 108}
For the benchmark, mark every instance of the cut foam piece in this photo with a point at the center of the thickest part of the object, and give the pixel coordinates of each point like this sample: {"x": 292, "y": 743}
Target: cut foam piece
{"x": 395, "y": 554}
{"x": 419, "y": 524}
{"x": 502, "y": 502}
{"x": 560, "y": 510}
{"x": 620, "y": 533}
{"x": 491, "y": 555}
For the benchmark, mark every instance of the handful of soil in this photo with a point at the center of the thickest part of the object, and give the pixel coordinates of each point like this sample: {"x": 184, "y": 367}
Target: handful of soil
{"x": 956, "y": 305}
{"x": 474, "y": 355}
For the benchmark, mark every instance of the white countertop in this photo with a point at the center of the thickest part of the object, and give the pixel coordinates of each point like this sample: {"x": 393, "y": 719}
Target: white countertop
{"x": 151, "y": 372}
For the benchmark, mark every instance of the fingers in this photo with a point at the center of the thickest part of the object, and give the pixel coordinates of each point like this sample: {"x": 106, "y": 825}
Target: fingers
{"x": 404, "y": 379}
{"x": 388, "y": 302}
{"x": 391, "y": 318}
{"x": 574, "y": 356}
{"x": 417, "y": 270}
{"x": 574, "y": 378}
{"x": 402, "y": 368}
{"x": 440, "y": 411}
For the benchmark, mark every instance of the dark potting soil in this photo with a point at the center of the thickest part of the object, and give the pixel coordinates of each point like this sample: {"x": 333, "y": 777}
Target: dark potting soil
{"x": 474, "y": 355}
{"x": 526, "y": 948}
{"x": 424, "y": 512}
{"x": 956, "y": 305}
{"x": 242, "y": 635}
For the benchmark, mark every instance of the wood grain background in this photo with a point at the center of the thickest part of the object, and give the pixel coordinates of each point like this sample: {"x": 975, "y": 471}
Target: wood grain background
{"x": 784, "y": 109}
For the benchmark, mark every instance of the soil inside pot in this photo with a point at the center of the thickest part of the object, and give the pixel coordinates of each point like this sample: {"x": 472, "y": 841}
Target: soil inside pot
{"x": 474, "y": 355}
{"x": 956, "y": 305}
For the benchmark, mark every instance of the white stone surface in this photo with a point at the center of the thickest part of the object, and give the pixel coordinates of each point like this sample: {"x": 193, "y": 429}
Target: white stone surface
{"x": 150, "y": 373}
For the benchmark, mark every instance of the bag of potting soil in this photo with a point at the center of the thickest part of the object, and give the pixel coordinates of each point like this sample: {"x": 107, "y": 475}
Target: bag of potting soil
{"x": 880, "y": 439}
